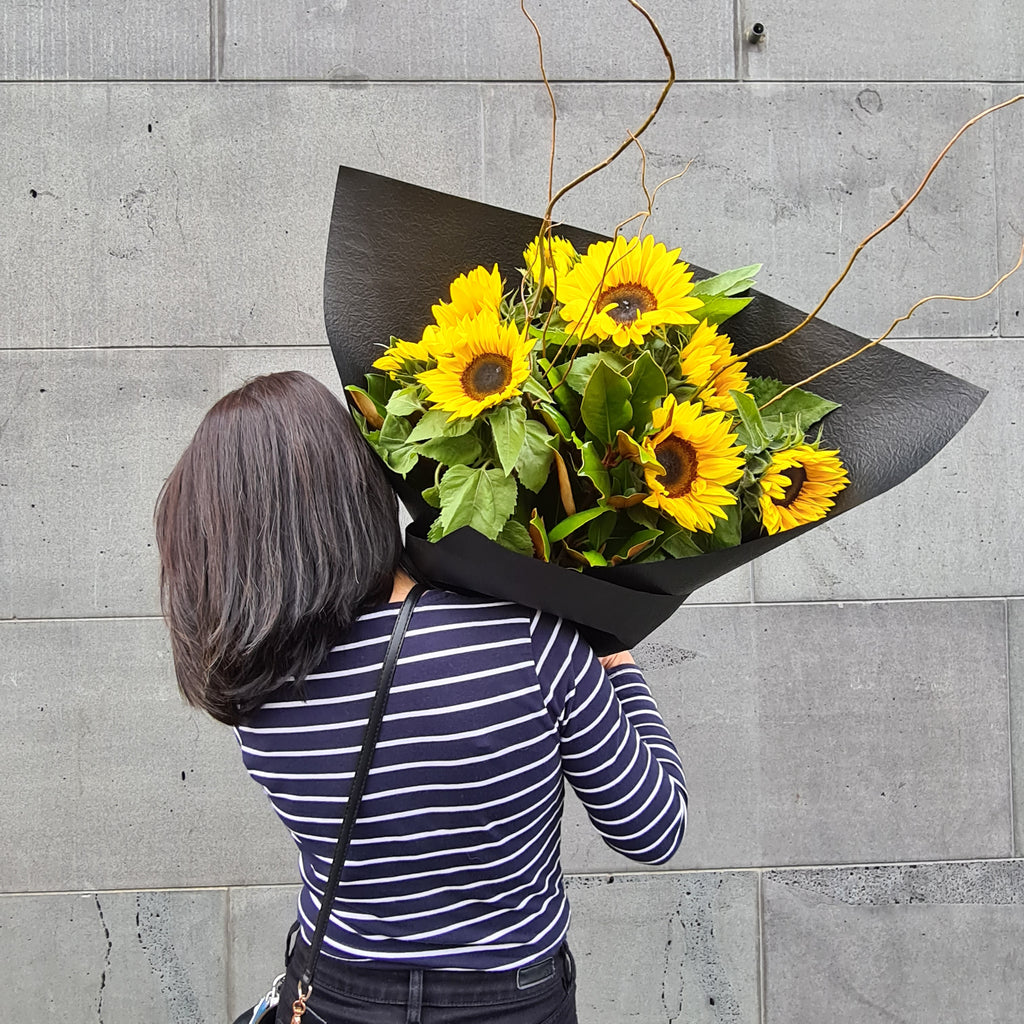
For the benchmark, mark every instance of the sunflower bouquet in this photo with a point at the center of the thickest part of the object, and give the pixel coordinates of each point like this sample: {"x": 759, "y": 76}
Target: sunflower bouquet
{"x": 596, "y": 414}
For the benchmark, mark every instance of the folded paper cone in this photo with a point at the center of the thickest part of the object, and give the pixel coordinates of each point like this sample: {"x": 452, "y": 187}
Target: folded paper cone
{"x": 393, "y": 251}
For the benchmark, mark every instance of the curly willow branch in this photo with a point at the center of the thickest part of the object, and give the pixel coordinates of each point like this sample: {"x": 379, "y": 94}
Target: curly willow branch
{"x": 906, "y": 316}
{"x": 892, "y": 220}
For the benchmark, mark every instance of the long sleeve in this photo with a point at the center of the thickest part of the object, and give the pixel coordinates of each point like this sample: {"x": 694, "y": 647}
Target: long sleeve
{"x": 616, "y": 751}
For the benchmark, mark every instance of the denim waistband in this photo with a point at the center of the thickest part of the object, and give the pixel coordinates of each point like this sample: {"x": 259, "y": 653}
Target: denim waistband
{"x": 383, "y": 984}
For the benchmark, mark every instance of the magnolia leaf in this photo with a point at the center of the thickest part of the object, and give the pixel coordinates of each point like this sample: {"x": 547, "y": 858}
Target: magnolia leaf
{"x": 582, "y": 367}
{"x": 751, "y": 433}
{"x": 797, "y": 408}
{"x": 534, "y": 462}
{"x": 649, "y": 386}
{"x": 564, "y": 484}
{"x": 628, "y": 448}
{"x": 532, "y": 386}
{"x": 555, "y": 421}
{"x": 539, "y": 536}
{"x": 435, "y": 423}
{"x": 717, "y": 308}
{"x": 372, "y": 413}
{"x": 404, "y": 402}
{"x": 594, "y": 470}
{"x": 635, "y": 546}
{"x": 624, "y": 500}
{"x": 516, "y": 537}
{"x": 594, "y": 558}
{"x": 452, "y": 451}
{"x": 379, "y": 387}
{"x": 508, "y": 427}
{"x": 732, "y": 282}
{"x": 601, "y": 528}
{"x": 606, "y": 407}
{"x": 572, "y": 523}
{"x": 480, "y": 498}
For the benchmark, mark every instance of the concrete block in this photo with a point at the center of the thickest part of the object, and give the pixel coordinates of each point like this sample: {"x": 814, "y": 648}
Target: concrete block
{"x": 1009, "y": 145}
{"x": 88, "y": 441}
{"x": 116, "y": 957}
{"x": 258, "y": 921}
{"x": 918, "y": 944}
{"x": 792, "y": 176}
{"x": 948, "y": 531}
{"x": 189, "y": 215}
{"x": 831, "y": 734}
{"x": 111, "y": 783}
{"x": 918, "y": 40}
{"x": 417, "y": 40}
{"x": 144, "y": 39}
{"x": 1015, "y": 625}
{"x": 666, "y": 947}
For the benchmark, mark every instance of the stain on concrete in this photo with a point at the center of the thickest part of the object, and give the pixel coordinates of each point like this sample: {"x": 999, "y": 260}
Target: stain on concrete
{"x": 155, "y": 934}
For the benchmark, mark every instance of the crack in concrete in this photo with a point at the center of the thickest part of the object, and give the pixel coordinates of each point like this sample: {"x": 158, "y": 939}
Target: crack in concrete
{"x": 106, "y": 959}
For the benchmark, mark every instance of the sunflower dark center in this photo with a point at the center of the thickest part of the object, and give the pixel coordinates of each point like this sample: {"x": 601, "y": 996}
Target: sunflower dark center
{"x": 796, "y": 478}
{"x": 487, "y": 375}
{"x": 679, "y": 460}
{"x": 630, "y": 301}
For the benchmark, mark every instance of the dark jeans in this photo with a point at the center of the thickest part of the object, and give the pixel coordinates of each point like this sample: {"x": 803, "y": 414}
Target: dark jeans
{"x": 343, "y": 993}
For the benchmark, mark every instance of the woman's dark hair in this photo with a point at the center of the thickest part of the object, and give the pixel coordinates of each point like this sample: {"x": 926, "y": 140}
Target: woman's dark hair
{"x": 275, "y": 526}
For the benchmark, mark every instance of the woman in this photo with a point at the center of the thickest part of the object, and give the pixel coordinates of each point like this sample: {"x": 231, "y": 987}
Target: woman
{"x": 281, "y": 579}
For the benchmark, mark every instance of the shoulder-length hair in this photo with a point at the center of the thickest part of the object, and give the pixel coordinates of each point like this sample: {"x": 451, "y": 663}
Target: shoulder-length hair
{"x": 274, "y": 527}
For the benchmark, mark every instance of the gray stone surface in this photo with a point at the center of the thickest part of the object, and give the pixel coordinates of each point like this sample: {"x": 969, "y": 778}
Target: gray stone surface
{"x": 109, "y": 781}
{"x": 935, "y": 944}
{"x": 116, "y": 39}
{"x": 417, "y": 39}
{"x": 672, "y": 947}
{"x": 115, "y": 957}
{"x": 1015, "y": 626}
{"x": 789, "y": 175}
{"x": 831, "y": 734}
{"x": 1010, "y": 195}
{"x": 210, "y": 229}
{"x": 915, "y": 40}
{"x": 258, "y": 921}
{"x": 949, "y": 531}
{"x": 89, "y": 437}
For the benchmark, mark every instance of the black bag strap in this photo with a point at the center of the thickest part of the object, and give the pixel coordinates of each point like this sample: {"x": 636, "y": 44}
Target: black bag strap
{"x": 355, "y": 795}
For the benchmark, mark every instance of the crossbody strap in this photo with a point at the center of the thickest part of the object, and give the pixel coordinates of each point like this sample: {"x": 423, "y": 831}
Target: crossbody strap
{"x": 373, "y": 725}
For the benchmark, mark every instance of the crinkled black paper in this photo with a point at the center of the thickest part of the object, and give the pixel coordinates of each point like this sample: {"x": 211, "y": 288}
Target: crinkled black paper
{"x": 393, "y": 251}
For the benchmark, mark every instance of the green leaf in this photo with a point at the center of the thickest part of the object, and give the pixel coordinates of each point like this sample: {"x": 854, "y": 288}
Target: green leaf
{"x": 379, "y": 387}
{"x": 650, "y": 386}
{"x": 727, "y": 531}
{"x": 594, "y": 470}
{"x": 371, "y": 411}
{"x": 601, "y": 529}
{"x": 434, "y": 423}
{"x": 401, "y": 459}
{"x": 638, "y": 543}
{"x": 534, "y": 462}
{"x": 480, "y": 498}
{"x": 717, "y": 308}
{"x": 594, "y": 557}
{"x": 432, "y": 496}
{"x": 798, "y": 408}
{"x": 539, "y": 536}
{"x": 679, "y": 544}
{"x": 732, "y": 282}
{"x": 436, "y": 531}
{"x": 508, "y": 426}
{"x": 516, "y": 537}
{"x": 452, "y": 451}
{"x": 555, "y": 420}
{"x": 394, "y": 432}
{"x": 532, "y": 386}
{"x": 404, "y": 402}
{"x": 751, "y": 432}
{"x": 572, "y": 523}
{"x": 606, "y": 408}
{"x": 583, "y": 366}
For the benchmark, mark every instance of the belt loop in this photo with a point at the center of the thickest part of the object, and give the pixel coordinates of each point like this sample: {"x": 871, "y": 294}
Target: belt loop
{"x": 415, "y": 1004}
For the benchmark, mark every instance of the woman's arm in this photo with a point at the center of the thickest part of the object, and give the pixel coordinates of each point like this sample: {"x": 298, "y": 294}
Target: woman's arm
{"x": 616, "y": 752}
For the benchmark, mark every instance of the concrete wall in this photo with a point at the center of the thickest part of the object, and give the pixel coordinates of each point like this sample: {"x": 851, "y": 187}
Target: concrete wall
{"x": 850, "y": 710}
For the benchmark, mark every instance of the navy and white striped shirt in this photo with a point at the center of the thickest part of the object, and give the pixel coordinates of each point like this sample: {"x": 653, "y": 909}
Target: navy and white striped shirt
{"x": 454, "y": 860}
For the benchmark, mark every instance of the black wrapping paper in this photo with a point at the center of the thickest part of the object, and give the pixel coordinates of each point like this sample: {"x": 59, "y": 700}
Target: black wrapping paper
{"x": 393, "y": 251}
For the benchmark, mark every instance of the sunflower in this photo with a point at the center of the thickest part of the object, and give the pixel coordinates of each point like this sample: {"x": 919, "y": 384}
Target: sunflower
{"x": 623, "y": 289}
{"x": 559, "y": 258}
{"x": 698, "y": 458}
{"x": 488, "y": 363}
{"x": 798, "y": 487}
{"x": 707, "y": 362}
{"x": 477, "y": 292}
{"x": 401, "y": 354}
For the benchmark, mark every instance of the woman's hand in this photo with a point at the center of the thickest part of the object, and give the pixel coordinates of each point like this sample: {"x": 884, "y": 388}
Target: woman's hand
{"x": 611, "y": 661}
